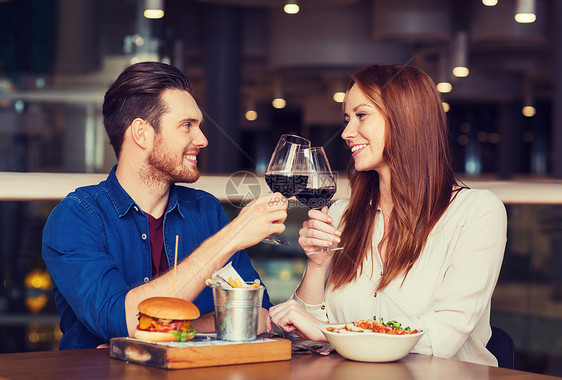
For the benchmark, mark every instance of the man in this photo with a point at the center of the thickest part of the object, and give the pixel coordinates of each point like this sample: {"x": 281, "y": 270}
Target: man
{"x": 106, "y": 246}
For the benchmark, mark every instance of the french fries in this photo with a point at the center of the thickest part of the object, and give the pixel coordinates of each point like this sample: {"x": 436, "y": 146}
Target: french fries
{"x": 236, "y": 283}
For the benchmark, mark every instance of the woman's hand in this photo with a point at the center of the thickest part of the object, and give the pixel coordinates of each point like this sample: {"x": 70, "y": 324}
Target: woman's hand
{"x": 289, "y": 316}
{"x": 318, "y": 232}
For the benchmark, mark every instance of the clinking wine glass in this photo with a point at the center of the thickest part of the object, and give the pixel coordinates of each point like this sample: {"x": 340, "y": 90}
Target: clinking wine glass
{"x": 286, "y": 172}
{"x": 320, "y": 187}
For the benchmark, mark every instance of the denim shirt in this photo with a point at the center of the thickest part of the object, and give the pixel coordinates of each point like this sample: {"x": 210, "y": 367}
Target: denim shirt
{"x": 96, "y": 246}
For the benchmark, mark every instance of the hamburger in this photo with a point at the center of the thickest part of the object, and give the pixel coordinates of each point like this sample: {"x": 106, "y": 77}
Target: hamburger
{"x": 166, "y": 319}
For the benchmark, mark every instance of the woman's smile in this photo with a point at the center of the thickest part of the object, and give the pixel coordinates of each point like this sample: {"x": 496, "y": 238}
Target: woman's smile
{"x": 356, "y": 149}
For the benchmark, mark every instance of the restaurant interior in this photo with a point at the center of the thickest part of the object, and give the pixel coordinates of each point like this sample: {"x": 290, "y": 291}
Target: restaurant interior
{"x": 261, "y": 68}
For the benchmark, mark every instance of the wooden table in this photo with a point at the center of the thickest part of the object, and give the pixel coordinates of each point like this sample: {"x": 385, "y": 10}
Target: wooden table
{"x": 96, "y": 364}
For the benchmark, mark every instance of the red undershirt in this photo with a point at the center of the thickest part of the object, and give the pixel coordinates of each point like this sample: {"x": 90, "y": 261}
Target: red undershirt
{"x": 159, "y": 259}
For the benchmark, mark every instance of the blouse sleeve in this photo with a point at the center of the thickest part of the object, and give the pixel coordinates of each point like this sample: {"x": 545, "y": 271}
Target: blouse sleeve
{"x": 470, "y": 276}
{"x": 317, "y": 311}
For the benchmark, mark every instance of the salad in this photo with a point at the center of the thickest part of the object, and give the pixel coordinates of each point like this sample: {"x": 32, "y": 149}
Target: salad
{"x": 370, "y": 325}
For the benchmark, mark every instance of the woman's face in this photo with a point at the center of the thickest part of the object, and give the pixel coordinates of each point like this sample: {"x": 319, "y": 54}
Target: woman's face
{"x": 364, "y": 132}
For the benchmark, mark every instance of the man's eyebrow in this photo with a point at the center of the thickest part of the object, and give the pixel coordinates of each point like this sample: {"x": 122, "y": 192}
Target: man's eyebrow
{"x": 191, "y": 120}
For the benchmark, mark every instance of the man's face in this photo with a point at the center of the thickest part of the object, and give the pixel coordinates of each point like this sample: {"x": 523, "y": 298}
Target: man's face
{"x": 174, "y": 156}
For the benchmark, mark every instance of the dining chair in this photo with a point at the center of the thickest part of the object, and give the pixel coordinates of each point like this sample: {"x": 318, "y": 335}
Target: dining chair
{"x": 502, "y": 347}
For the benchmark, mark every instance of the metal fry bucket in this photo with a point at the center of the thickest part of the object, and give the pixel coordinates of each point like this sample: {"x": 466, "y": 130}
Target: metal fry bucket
{"x": 237, "y": 312}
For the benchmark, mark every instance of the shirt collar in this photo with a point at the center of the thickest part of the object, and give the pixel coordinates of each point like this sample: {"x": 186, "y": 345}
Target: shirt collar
{"x": 123, "y": 202}
{"x": 173, "y": 202}
{"x": 120, "y": 199}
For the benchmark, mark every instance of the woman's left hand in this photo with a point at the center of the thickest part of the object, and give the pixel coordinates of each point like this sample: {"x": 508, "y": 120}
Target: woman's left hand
{"x": 289, "y": 316}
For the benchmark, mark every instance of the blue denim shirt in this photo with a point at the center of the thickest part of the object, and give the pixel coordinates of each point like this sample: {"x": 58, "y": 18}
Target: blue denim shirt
{"x": 96, "y": 246}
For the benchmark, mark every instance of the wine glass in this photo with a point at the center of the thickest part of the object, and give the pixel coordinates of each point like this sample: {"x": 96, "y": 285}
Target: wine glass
{"x": 286, "y": 172}
{"x": 321, "y": 185}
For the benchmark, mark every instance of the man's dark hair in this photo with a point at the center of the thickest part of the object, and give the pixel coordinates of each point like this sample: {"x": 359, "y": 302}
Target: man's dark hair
{"x": 136, "y": 93}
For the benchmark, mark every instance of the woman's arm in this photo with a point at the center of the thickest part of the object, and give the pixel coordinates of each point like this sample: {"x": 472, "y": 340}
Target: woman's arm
{"x": 317, "y": 232}
{"x": 463, "y": 294}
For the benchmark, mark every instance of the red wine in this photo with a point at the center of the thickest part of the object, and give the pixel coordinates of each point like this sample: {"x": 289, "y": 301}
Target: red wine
{"x": 316, "y": 198}
{"x": 288, "y": 185}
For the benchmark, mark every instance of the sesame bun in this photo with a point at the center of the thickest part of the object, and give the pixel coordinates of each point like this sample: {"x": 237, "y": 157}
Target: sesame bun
{"x": 169, "y": 308}
{"x": 154, "y": 336}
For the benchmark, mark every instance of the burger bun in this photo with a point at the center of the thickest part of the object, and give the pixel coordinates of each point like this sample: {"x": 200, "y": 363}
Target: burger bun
{"x": 169, "y": 308}
{"x": 154, "y": 336}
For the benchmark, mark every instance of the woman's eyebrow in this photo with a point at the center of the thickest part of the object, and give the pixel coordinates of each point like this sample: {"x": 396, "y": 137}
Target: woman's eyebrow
{"x": 361, "y": 105}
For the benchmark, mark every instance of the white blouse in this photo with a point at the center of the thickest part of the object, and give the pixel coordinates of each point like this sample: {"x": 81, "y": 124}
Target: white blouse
{"x": 448, "y": 290}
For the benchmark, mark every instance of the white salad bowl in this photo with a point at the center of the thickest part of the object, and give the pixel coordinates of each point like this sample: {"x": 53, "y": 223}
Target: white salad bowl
{"x": 370, "y": 346}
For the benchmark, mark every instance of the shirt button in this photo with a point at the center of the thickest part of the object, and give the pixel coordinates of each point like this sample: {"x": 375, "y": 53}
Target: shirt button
{"x": 146, "y": 279}
{"x": 375, "y": 294}
{"x": 143, "y": 236}
{"x": 381, "y": 273}
{"x": 323, "y": 307}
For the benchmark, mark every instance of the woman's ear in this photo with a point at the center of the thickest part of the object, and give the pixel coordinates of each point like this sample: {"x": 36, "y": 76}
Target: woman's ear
{"x": 141, "y": 132}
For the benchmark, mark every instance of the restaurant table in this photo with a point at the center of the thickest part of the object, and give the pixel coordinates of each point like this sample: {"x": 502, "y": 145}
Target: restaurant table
{"x": 96, "y": 364}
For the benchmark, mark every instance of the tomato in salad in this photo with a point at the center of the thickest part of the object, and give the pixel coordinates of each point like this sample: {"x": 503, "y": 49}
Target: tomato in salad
{"x": 369, "y": 325}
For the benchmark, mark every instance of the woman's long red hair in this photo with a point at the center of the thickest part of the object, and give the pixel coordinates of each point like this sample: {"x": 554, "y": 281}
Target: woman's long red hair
{"x": 422, "y": 178}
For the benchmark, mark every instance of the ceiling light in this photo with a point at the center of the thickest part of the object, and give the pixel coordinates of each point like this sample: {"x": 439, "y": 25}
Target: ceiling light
{"x": 525, "y": 11}
{"x": 443, "y": 84}
{"x": 250, "y": 105}
{"x": 291, "y": 7}
{"x": 444, "y": 87}
{"x": 154, "y": 13}
{"x": 446, "y": 106}
{"x": 525, "y": 18}
{"x": 461, "y": 71}
{"x": 279, "y": 103}
{"x": 460, "y": 55}
{"x": 251, "y": 115}
{"x": 278, "y": 94}
{"x": 338, "y": 96}
{"x": 529, "y": 111}
{"x": 153, "y": 9}
{"x": 490, "y": 3}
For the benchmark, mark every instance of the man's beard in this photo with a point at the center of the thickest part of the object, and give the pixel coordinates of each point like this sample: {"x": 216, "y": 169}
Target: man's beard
{"x": 164, "y": 167}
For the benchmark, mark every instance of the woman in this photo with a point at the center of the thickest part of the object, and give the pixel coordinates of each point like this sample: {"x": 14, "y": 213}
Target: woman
{"x": 419, "y": 247}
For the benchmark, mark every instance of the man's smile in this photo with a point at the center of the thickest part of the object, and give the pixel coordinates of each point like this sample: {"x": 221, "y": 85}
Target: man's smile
{"x": 191, "y": 158}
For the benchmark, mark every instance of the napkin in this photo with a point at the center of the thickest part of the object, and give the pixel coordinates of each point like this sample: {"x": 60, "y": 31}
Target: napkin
{"x": 225, "y": 276}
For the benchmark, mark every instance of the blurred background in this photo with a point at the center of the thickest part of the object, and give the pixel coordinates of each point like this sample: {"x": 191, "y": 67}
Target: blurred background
{"x": 261, "y": 68}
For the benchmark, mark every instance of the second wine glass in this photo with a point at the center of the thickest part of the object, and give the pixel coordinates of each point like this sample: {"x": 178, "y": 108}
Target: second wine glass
{"x": 286, "y": 172}
{"x": 321, "y": 185}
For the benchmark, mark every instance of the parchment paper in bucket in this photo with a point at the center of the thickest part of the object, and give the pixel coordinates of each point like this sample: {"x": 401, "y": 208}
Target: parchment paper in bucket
{"x": 221, "y": 276}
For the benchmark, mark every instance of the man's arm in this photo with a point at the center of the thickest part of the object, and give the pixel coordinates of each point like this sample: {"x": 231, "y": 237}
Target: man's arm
{"x": 205, "y": 323}
{"x": 259, "y": 219}
{"x": 262, "y": 322}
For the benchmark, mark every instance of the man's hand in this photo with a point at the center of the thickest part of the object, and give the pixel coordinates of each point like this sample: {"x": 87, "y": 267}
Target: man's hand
{"x": 257, "y": 220}
{"x": 260, "y": 218}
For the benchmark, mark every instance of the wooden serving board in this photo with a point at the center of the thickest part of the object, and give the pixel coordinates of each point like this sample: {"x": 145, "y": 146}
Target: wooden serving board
{"x": 203, "y": 351}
